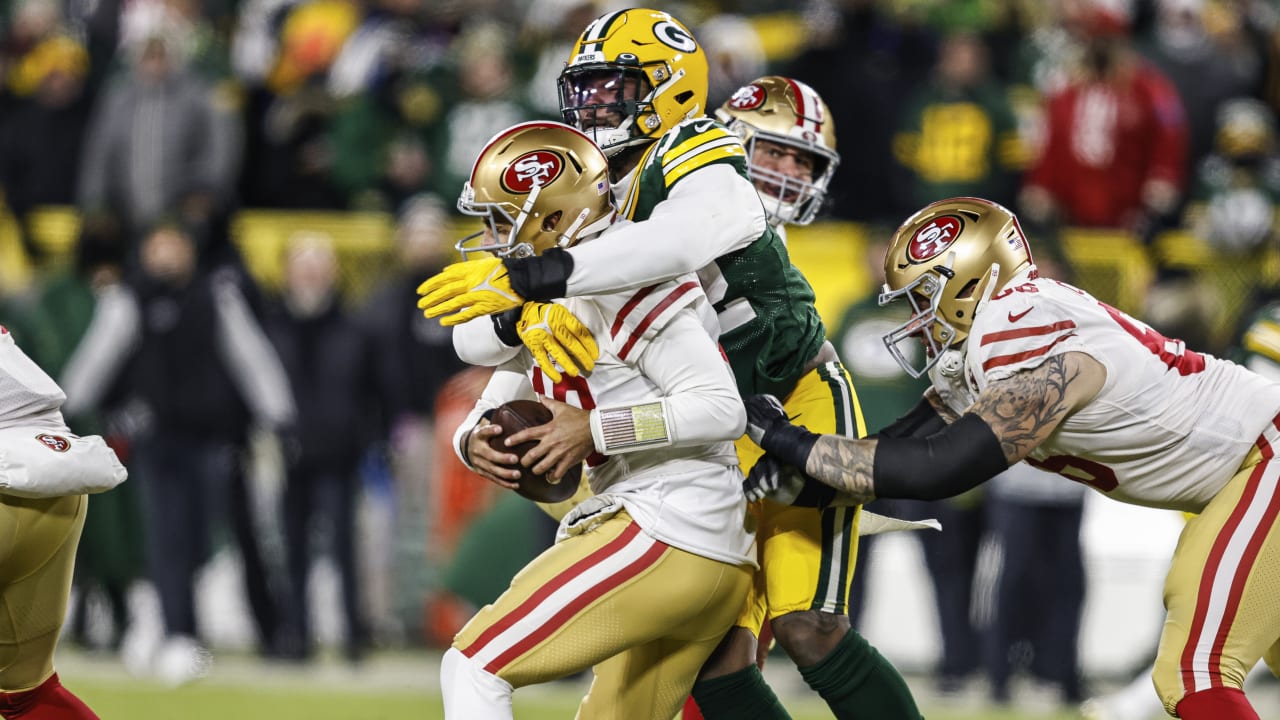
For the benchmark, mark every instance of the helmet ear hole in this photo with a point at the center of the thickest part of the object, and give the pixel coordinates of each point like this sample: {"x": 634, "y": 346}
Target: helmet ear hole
{"x": 684, "y": 96}
{"x": 966, "y": 292}
{"x": 550, "y": 222}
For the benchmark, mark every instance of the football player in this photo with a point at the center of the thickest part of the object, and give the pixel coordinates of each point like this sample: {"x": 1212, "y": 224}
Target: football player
{"x": 790, "y": 141}
{"x": 1026, "y": 368}
{"x": 42, "y": 509}
{"x": 636, "y": 82}
{"x": 648, "y": 574}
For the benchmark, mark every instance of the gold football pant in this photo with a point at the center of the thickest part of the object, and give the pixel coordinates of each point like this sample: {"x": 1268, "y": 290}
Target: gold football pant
{"x": 644, "y": 614}
{"x": 806, "y": 556}
{"x": 1223, "y": 589}
{"x": 37, "y": 556}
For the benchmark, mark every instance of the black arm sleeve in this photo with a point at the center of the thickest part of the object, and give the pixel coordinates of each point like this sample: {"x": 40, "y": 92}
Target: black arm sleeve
{"x": 921, "y": 421}
{"x": 963, "y": 455}
{"x": 543, "y": 277}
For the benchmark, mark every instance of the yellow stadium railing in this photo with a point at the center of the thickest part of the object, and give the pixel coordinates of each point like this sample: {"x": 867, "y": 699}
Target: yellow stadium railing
{"x": 833, "y": 255}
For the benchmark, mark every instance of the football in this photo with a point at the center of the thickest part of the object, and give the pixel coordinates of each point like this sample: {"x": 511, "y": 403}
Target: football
{"x": 513, "y": 417}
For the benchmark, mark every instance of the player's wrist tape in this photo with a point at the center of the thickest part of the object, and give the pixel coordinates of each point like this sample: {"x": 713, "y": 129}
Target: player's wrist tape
{"x": 627, "y": 429}
{"x": 504, "y": 325}
{"x": 959, "y": 458}
{"x": 543, "y": 277}
{"x": 789, "y": 443}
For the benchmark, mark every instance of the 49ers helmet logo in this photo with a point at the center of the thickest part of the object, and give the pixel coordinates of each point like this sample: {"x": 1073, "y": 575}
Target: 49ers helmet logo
{"x": 539, "y": 167}
{"x": 747, "y": 97}
{"x": 56, "y": 443}
{"x": 930, "y": 240}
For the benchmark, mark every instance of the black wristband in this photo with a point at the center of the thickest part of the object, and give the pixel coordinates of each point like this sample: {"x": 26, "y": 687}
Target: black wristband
{"x": 960, "y": 457}
{"x": 543, "y": 277}
{"x": 790, "y": 444}
{"x": 504, "y": 325}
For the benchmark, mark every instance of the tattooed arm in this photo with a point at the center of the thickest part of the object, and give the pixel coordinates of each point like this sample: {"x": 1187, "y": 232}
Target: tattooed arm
{"x": 1025, "y": 408}
{"x": 1009, "y": 419}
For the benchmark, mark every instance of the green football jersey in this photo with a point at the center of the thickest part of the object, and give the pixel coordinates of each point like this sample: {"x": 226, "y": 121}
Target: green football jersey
{"x": 769, "y": 327}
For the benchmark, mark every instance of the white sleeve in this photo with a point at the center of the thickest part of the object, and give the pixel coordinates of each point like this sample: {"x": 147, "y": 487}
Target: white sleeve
{"x": 254, "y": 366}
{"x": 710, "y": 212}
{"x": 113, "y": 334}
{"x": 700, "y": 399}
{"x": 477, "y": 343}
{"x": 508, "y": 382}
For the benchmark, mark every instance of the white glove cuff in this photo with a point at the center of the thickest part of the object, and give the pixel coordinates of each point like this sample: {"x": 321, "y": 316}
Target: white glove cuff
{"x": 630, "y": 428}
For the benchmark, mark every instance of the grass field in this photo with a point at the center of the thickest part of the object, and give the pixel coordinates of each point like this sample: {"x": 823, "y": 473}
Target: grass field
{"x": 392, "y": 686}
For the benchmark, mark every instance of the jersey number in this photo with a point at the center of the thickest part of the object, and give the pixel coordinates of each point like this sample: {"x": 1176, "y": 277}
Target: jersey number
{"x": 1089, "y": 472}
{"x": 580, "y": 398}
{"x": 1173, "y": 353}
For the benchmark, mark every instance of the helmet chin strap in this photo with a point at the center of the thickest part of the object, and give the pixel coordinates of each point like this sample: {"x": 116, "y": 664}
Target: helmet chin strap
{"x": 522, "y": 249}
{"x": 994, "y": 274}
{"x": 588, "y": 232}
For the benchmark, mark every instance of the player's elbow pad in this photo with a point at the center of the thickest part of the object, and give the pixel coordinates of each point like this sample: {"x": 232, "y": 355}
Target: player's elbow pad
{"x": 960, "y": 457}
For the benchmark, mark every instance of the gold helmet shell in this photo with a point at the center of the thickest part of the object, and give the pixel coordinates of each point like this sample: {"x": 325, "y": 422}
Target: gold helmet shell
{"x": 946, "y": 260}
{"x": 787, "y": 112}
{"x": 652, "y": 71}
{"x": 523, "y": 177}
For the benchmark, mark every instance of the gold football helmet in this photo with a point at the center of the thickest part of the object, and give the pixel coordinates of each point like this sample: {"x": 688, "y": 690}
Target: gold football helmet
{"x": 947, "y": 259}
{"x": 537, "y": 185}
{"x": 787, "y": 112}
{"x": 633, "y": 75}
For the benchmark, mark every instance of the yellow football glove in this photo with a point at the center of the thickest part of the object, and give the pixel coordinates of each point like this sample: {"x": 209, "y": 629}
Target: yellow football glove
{"x": 554, "y": 335}
{"x": 468, "y": 290}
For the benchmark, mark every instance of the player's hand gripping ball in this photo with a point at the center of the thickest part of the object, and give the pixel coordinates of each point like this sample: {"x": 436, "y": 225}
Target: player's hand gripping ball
{"x": 513, "y": 417}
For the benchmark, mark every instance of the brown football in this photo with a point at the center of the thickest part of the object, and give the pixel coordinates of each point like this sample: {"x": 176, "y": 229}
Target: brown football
{"x": 513, "y": 417}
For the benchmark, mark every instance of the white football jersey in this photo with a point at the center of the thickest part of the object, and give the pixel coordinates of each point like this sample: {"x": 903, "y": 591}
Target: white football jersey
{"x": 686, "y": 495}
{"x": 1169, "y": 427}
{"x": 28, "y": 396}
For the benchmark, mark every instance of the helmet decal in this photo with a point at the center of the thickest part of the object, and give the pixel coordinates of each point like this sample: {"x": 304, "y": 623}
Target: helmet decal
{"x": 674, "y": 36}
{"x": 747, "y": 97}
{"x": 931, "y": 240}
{"x": 538, "y": 167}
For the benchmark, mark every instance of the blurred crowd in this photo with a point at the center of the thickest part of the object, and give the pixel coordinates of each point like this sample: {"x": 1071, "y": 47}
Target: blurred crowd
{"x": 159, "y": 120}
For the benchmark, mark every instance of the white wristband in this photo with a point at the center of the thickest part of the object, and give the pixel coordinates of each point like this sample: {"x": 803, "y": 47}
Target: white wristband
{"x": 630, "y": 428}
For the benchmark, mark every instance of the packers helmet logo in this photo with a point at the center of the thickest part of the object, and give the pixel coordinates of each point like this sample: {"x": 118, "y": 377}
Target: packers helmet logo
{"x": 674, "y": 36}
{"x": 539, "y": 167}
{"x": 56, "y": 443}
{"x": 747, "y": 97}
{"x": 930, "y": 240}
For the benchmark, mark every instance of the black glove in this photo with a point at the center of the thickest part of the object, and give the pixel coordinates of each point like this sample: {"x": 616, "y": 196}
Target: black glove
{"x": 771, "y": 479}
{"x": 785, "y": 485}
{"x": 771, "y": 429}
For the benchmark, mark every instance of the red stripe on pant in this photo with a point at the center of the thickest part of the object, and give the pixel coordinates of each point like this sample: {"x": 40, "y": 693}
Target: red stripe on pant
{"x": 533, "y": 639}
{"x": 545, "y": 591}
{"x": 1239, "y": 575}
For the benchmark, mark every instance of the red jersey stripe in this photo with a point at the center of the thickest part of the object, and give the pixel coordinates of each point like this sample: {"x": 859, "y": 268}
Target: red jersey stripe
{"x": 638, "y": 332}
{"x": 533, "y": 639}
{"x": 559, "y": 581}
{"x": 1002, "y": 335}
{"x": 626, "y": 309}
{"x": 1002, "y": 360}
